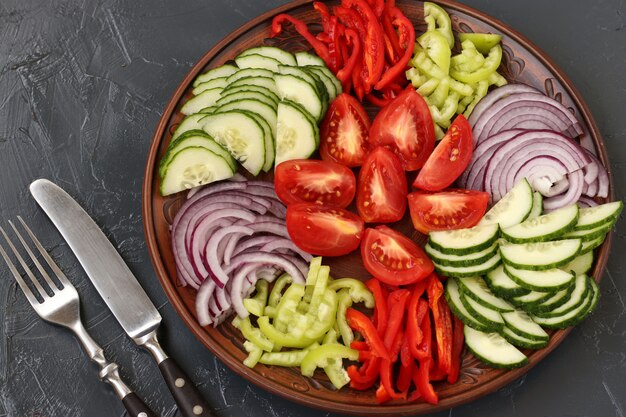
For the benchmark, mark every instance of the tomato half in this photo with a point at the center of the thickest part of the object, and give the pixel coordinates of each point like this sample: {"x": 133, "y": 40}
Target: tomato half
{"x": 449, "y": 159}
{"x": 406, "y": 127}
{"x": 394, "y": 258}
{"x": 323, "y": 230}
{"x": 382, "y": 189}
{"x": 307, "y": 180}
{"x": 344, "y": 132}
{"x": 447, "y": 210}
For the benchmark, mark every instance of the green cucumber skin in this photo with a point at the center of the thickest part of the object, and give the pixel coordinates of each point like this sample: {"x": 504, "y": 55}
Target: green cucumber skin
{"x": 490, "y": 323}
{"x": 588, "y": 305}
{"x": 464, "y": 251}
{"x": 522, "y": 304}
{"x": 460, "y": 263}
{"x": 543, "y": 238}
{"x": 472, "y": 322}
{"x": 544, "y": 306}
{"x": 531, "y": 287}
{"x": 524, "y": 343}
{"x": 457, "y": 274}
{"x": 498, "y": 365}
{"x": 609, "y": 219}
{"x": 523, "y": 334}
{"x": 564, "y": 261}
{"x": 507, "y": 293}
{"x": 552, "y": 315}
{"x": 466, "y": 291}
{"x": 593, "y": 233}
{"x": 593, "y": 244}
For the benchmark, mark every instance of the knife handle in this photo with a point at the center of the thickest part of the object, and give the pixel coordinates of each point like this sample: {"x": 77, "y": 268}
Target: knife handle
{"x": 189, "y": 400}
{"x": 136, "y": 407}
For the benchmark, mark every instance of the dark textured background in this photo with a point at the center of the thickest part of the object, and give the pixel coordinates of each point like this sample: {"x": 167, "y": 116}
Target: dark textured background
{"x": 82, "y": 86}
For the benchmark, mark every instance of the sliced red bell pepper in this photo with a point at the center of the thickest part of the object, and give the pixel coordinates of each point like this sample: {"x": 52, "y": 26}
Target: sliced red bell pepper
{"x": 365, "y": 377}
{"x": 322, "y": 9}
{"x": 416, "y": 312}
{"x": 424, "y": 349}
{"x": 382, "y": 396}
{"x": 407, "y": 38}
{"x": 421, "y": 379}
{"x": 380, "y": 308}
{"x": 359, "y": 322}
{"x": 404, "y": 377}
{"x": 457, "y": 349}
{"x": 345, "y": 74}
{"x": 378, "y": 6}
{"x": 394, "y": 49}
{"x": 442, "y": 321}
{"x": 396, "y": 304}
{"x": 359, "y": 345}
{"x": 320, "y": 47}
{"x": 405, "y": 352}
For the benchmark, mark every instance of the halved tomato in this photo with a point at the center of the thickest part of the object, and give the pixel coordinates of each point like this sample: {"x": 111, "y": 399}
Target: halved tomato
{"x": 322, "y": 230}
{"x": 406, "y": 127}
{"x": 344, "y": 132}
{"x": 394, "y": 258}
{"x": 449, "y": 159}
{"x": 382, "y": 189}
{"x": 307, "y": 180}
{"x": 447, "y": 210}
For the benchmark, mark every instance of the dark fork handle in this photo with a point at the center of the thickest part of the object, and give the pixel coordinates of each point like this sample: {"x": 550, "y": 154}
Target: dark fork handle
{"x": 136, "y": 407}
{"x": 189, "y": 400}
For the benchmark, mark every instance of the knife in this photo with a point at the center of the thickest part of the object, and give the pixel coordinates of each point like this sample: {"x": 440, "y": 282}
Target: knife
{"x": 118, "y": 287}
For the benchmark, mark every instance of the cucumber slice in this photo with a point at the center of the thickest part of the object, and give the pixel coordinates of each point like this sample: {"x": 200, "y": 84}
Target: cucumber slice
{"x": 265, "y": 82}
{"x": 580, "y": 265}
{"x": 297, "y": 136}
{"x": 257, "y": 61}
{"x": 205, "y": 99}
{"x": 470, "y": 259}
{"x": 592, "y": 217}
{"x": 547, "y": 280}
{"x": 513, "y": 208}
{"x": 328, "y": 83}
{"x": 587, "y": 235}
{"x": 578, "y": 296}
{"x": 591, "y": 245}
{"x": 191, "y": 122}
{"x": 575, "y": 315}
{"x": 192, "y": 167}
{"x": 520, "y": 341}
{"x": 266, "y": 111}
{"x": 194, "y": 138}
{"x": 284, "y": 57}
{"x": 464, "y": 241}
{"x": 241, "y": 135}
{"x": 329, "y": 74}
{"x": 540, "y": 256}
{"x": 300, "y": 91}
{"x": 537, "y": 206}
{"x": 502, "y": 285}
{"x": 453, "y": 297}
{"x": 556, "y": 300}
{"x": 469, "y": 271}
{"x": 532, "y": 298}
{"x": 493, "y": 349}
{"x": 251, "y": 88}
{"x": 522, "y": 325}
{"x": 477, "y": 289}
{"x": 547, "y": 227}
{"x": 268, "y": 140}
{"x": 249, "y": 72}
{"x": 231, "y": 96}
{"x": 484, "y": 314}
{"x": 219, "y": 72}
{"x": 304, "y": 58}
{"x": 208, "y": 110}
{"x": 214, "y": 83}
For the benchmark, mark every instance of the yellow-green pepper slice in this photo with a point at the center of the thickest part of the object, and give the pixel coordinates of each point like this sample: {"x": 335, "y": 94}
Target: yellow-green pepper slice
{"x": 253, "y": 334}
{"x": 482, "y": 41}
{"x": 282, "y": 338}
{"x": 255, "y": 305}
{"x": 254, "y": 354}
{"x": 320, "y": 357}
{"x": 438, "y": 19}
{"x": 289, "y": 358}
{"x": 437, "y": 49}
{"x": 490, "y": 65}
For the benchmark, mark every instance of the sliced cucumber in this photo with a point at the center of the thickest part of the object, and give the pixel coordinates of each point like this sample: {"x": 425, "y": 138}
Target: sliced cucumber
{"x": 516, "y": 340}
{"x": 249, "y": 72}
{"x": 464, "y": 241}
{"x": 194, "y": 138}
{"x": 470, "y": 259}
{"x": 547, "y": 227}
{"x": 264, "y": 82}
{"x": 208, "y": 110}
{"x": 300, "y": 91}
{"x": 592, "y": 217}
{"x": 261, "y": 108}
{"x": 284, "y": 57}
{"x": 453, "y": 296}
{"x": 192, "y": 167}
{"x": 331, "y": 76}
{"x": 209, "y": 85}
{"x": 251, "y": 88}
{"x": 581, "y": 288}
{"x": 540, "y": 255}
{"x": 513, "y": 208}
{"x": 232, "y": 96}
{"x": 532, "y": 298}
{"x": 502, "y": 285}
{"x": 297, "y": 136}
{"x": 268, "y": 140}
{"x": 241, "y": 135}
{"x": 469, "y": 271}
{"x": 477, "y": 289}
{"x": 493, "y": 349}
{"x": 304, "y": 58}
{"x": 219, "y": 72}
{"x": 257, "y": 61}
{"x": 591, "y": 245}
{"x": 581, "y": 264}
{"x": 587, "y": 235}
{"x": 522, "y": 325}
{"x": 547, "y": 280}
{"x": 484, "y": 314}
{"x": 537, "y": 206}
{"x": 556, "y": 300}
{"x": 206, "y": 98}
{"x": 191, "y": 122}
{"x": 575, "y": 315}
{"x": 331, "y": 88}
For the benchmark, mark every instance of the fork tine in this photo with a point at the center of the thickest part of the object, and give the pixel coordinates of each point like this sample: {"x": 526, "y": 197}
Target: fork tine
{"x": 44, "y": 253}
{"x": 42, "y": 271}
{"x": 27, "y": 292}
{"x": 17, "y": 275}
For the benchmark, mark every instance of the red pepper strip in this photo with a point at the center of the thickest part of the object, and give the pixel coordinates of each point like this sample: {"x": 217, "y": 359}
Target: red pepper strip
{"x": 277, "y": 27}
{"x": 443, "y": 322}
{"x": 359, "y": 345}
{"x": 404, "y": 377}
{"x": 345, "y": 74}
{"x": 386, "y": 370}
{"x": 436, "y": 374}
{"x": 377, "y": 101}
{"x": 378, "y": 6}
{"x": 382, "y": 396}
{"x": 405, "y": 352}
{"x": 365, "y": 377}
{"x": 380, "y": 308}
{"x": 324, "y": 37}
{"x": 413, "y": 319}
{"x": 373, "y": 44}
{"x": 396, "y": 303}
{"x": 421, "y": 379}
{"x": 407, "y": 34}
{"x": 359, "y": 322}
{"x": 392, "y": 36}
{"x": 424, "y": 349}
{"x": 457, "y": 348}
{"x": 322, "y": 9}
{"x": 389, "y": 52}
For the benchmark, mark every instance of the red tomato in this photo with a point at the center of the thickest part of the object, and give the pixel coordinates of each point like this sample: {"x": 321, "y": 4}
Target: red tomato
{"x": 449, "y": 159}
{"x": 322, "y": 230}
{"x": 406, "y": 127}
{"x": 307, "y": 180}
{"x": 394, "y": 258}
{"x": 447, "y": 210}
{"x": 382, "y": 190}
{"x": 344, "y": 132}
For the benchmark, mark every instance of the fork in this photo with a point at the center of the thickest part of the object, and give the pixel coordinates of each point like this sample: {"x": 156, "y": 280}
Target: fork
{"x": 63, "y": 308}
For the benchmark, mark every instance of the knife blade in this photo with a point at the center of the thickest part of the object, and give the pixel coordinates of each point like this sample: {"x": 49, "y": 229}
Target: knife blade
{"x": 118, "y": 287}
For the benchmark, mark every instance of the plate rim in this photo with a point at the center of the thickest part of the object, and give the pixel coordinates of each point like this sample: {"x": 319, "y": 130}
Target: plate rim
{"x": 271, "y": 386}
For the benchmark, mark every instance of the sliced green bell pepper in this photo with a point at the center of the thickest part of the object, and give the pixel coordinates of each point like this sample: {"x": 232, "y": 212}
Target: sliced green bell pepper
{"x": 253, "y": 334}
{"x": 357, "y": 290}
{"x": 282, "y": 338}
{"x": 437, "y": 19}
{"x": 255, "y": 305}
{"x": 287, "y": 307}
{"x": 345, "y": 301}
{"x": 289, "y": 358}
{"x": 482, "y": 41}
{"x": 336, "y": 373}
{"x": 437, "y": 49}
{"x": 490, "y": 65}
{"x": 254, "y": 354}
{"x": 320, "y": 357}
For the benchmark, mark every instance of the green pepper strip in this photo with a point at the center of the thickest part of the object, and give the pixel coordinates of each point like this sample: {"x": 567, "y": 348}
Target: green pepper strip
{"x": 253, "y": 334}
{"x": 276, "y": 294}
{"x": 491, "y": 64}
{"x": 437, "y": 19}
{"x": 319, "y": 357}
{"x": 336, "y": 374}
{"x": 482, "y": 41}
{"x": 290, "y": 358}
{"x": 326, "y": 316}
{"x": 357, "y": 290}
{"x": 331, "y": 337}
{"x": 311, "y": 278}
{"x": 281, "y": 338}
{"x": 439, "y": 96}
{"x": 345, "y": 301}
{"x": 254, "y": 354}
{"x": 287, "y": 306}
{"x": 481, "y": 91}
{"x": 255, "y": 305}
{"x": 319, "y": 290}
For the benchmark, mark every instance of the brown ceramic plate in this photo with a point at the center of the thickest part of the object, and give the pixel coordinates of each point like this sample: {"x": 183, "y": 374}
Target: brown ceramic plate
{"x": 523, "y": 62}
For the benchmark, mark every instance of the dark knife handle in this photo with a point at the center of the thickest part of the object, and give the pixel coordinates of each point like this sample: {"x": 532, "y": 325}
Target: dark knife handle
{"x": 188, "y": 398}
{"x": 136, "y": 407}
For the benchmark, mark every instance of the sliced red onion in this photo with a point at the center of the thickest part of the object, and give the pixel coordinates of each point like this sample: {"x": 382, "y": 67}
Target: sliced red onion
{"x": 237, "y": 288}
{"x": 591, "y": 190}
{"x": 587, "y": 143}
{"x": 555, "y": 188}
{"x": 268, "y": 273}
{"x": 495, "y": 95}
{"x": 603, "y": 177}
{"x": 586, "y": 202}
{"x": 269, "y": 259}
{"x": 193, "y": 192}
{"x": 270, "y": 227}
{"x": 238, "y": 178}
{"x": 569, "y": 197}
{"x": 211, "y": 251}
{"x": 278, "y": 209}
{"x": 252, "y": 242}
{"x": 202, "y": 302}
{"x": 286, "y": 244}
{"x": 219, "y": 187}
{"x": 532, "y": 166}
